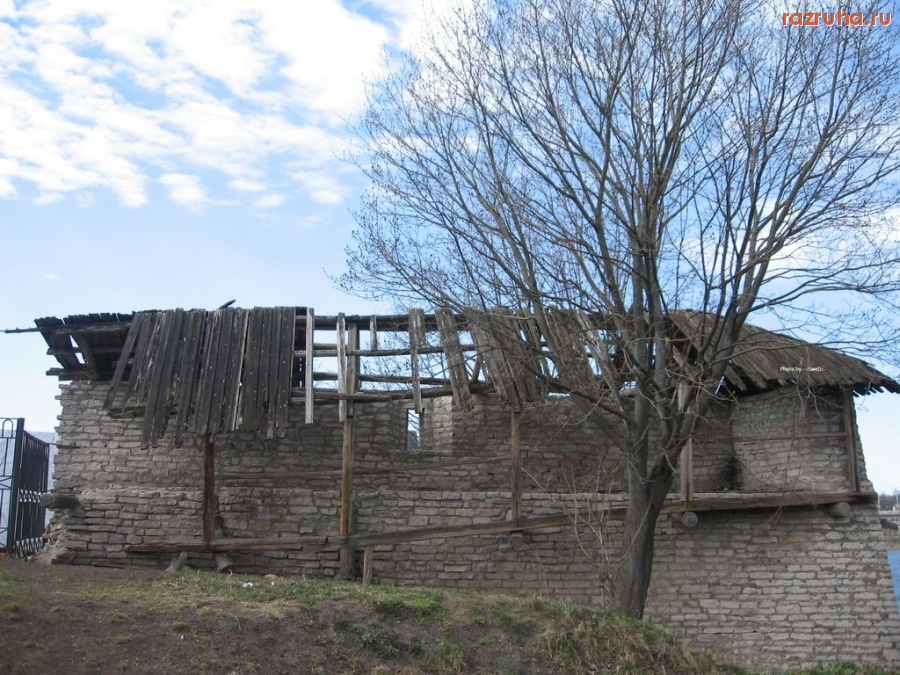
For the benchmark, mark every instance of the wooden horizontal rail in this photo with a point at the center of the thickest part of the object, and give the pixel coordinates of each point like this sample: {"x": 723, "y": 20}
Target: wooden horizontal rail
{"x": 317, "y": 543}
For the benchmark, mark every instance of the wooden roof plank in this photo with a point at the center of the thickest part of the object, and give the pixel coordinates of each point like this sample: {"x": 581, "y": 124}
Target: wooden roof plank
{"x": 189, "y": 370}
{"x": 233, "y": 372}
{"x": 456, "y": 363}
{"x": 162, "y": 380}
{"x": 124, "y": 358}
{"x": 250, "y": 383}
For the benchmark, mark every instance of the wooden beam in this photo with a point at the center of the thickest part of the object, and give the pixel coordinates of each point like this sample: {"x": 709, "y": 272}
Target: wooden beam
{"x": 686, "y": 470}
{"x": 341, "y": 330}
{"x": 309, "y": 393}
{"x": 322, "y": 543}
{"x": 209, "y": 489}
{"x": 348, "y": 383}
{"x": 367, "y": 566}
{"x": 850, "y": 431}
{"x": 456, "y": 364}
{"x": 515, "y": 443}
{"x": 416, "y": 342}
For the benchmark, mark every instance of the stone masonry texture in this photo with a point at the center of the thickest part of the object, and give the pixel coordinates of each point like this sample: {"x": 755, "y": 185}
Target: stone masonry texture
{"x": 764, "y": 588}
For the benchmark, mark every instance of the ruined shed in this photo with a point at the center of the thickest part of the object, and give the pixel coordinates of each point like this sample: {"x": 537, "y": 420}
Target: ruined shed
{"x": 434, "y": 448}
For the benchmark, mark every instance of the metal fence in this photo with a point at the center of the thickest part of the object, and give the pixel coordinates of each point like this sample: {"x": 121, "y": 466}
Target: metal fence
{"x": 24, "y": 474}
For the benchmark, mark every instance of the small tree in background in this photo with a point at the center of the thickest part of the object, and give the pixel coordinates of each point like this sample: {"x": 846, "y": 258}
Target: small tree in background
{"x": 626, "y": 160}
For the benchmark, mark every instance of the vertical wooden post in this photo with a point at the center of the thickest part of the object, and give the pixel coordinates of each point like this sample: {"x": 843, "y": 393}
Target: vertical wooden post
{"x": 348, "y": 376}
{"x": 850, "y": 431}
{"x": 515, "y": 444}
{"x": 416, "y": 340}
{"x": 367, "y": 566}
{"x": 209, "y": 489}
{"x": 686, "y": 467}
{"x": 308, "y": 394}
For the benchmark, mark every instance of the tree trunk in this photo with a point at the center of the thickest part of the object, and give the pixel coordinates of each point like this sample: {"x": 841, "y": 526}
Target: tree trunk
{"x": 645, "y": 501}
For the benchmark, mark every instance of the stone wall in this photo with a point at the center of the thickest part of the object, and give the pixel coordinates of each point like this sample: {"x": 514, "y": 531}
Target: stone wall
{"x": 761, "y": 588}
{"x": 791, "y": 441}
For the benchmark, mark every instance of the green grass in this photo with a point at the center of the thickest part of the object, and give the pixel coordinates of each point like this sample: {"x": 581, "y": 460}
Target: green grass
{"x": 187, "y": 623}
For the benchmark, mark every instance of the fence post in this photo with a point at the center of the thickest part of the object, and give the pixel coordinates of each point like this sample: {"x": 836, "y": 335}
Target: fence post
{"x": 12, "y": 524}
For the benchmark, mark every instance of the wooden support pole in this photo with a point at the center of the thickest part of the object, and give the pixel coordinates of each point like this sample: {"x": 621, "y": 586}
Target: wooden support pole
{"x": 209, "y": 489}
{"x": 850, "y": 430}
{"x": 367, "y": 566}
{"x": 686, "y": 468}
{"x": 416, "y": 342}
{"x": 515, "y": 443}
{"x": 686, "y": 465}
{"x": 349, "y": 384}
{"x": 347, "y": 476}
{"x": 308, "y": 392}
{"x": 373, "y": 333}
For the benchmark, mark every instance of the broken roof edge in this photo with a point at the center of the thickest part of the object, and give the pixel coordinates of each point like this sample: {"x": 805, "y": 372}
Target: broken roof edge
{"x": 88, "y": 346}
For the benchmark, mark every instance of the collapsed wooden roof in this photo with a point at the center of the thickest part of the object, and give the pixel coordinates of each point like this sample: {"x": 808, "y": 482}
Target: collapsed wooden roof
{"x": 240, "y": 369}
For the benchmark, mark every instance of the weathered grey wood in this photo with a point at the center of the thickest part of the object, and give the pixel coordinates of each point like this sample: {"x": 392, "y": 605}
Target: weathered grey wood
{"x": 515, "y": 443}
{"x": 309, "y": 397}
{"x": 347, "y": 477}
{"x": 209, "y": 489}
{"x": 156, "y": 415}
{"x": 220, "y": 375}
{"x": 124, "y": 358}
{"x": 285, "y": 368}
{"x": 234, "y": 374}
{"x": 188, "y": 372}
{"x": 852, "y": 450}
{"x": 320, "y": 543}
{"x": 341, "y": 333}
{"x": 686, "y": 469}
{"x": 416, "y": 341}
{"x": 367, "y": 566}
{"x": 253, "y": 371}
{"x": 373, "y": 333}
{"x": 138, "y": 370}
{"x": 456, "y": 364}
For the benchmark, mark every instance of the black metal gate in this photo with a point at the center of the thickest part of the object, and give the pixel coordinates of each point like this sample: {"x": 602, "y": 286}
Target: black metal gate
{"x": 24, "y": 471}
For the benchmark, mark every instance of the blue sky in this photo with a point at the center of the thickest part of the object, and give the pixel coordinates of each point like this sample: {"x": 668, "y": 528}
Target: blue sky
{"x": 183, "y": 153}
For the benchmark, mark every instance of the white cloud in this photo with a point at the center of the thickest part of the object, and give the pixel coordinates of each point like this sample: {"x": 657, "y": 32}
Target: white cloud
{"x": 104, "y": 94}
{"x": 270, "y": 201}
{"x": 185, "y": 190}
{"x": 244, "y": 185}
{"x": 321, "y": 186}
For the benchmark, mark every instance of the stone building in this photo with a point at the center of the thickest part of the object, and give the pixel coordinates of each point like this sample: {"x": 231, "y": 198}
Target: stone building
{"x": 264, "y": 440}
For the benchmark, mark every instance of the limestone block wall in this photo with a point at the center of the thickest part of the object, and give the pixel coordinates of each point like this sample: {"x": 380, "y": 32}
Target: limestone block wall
{"x": 759, "y": 588}
{"x": 770, "y": 589}
{"x": 790, "y": 441}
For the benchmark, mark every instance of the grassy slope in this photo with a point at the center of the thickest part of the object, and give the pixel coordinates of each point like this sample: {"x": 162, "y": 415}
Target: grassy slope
{"x": 85, "y": 620}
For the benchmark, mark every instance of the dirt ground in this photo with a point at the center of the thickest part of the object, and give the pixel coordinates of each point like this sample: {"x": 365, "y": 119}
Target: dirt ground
{"x": 65, "y": 619}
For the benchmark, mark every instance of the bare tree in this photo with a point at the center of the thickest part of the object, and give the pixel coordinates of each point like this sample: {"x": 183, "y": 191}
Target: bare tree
{"x": 631, "y": 159}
